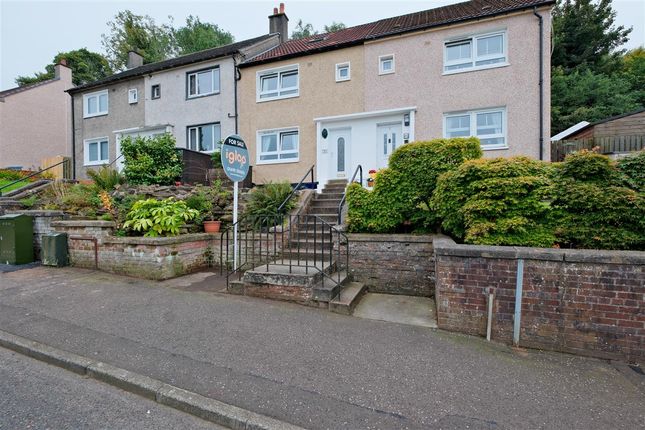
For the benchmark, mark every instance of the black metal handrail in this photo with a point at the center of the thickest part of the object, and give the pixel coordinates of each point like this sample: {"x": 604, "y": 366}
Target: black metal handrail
{"x": 33, "y": 174}
{"x": 304, "y": 241}
{"x": 115, "y": 160}
{"x": 359, "y": 168}
{"x": 297, "y": 187}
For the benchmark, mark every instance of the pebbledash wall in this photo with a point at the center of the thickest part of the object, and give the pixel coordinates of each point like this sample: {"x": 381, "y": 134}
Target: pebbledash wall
{"x": 584, "y": 302}
{"x": 392, "y": 263}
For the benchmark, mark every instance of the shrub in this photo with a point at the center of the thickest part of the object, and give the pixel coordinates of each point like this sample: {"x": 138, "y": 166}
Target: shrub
{"x": 592, "y": 209}
{"x": 10, "y": 175}
{"x": 265, "y": 200}
{"x": 496, "y": 202}
{"x": 151, "y": 160}
{"x": 159, "y": 217}
{"x": 216, "y": 157}
{"x": 79, "y": 198}
{"x": 106, "y": 178}
{"x": 201, "y": 202}
{"x": 633, "y": 168}
{"x": 403, "y": 191}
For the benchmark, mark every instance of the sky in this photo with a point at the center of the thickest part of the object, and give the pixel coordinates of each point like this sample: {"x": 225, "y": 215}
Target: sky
{"x": 33, "y": 32}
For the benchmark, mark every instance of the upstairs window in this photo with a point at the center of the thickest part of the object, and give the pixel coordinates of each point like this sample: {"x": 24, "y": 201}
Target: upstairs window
{"x": 385, "y": 64}
{"x": 156, "y": 91}
{"x": 205, "y": 138}
{"x": 278, "y": 83}
{"x": 203, "y": 82}
{"x": 342, "y": 72}
{"x": 95, "y": 104}
{"x": 133, "y": 96}
{"x": 475, "y": 52}
{"x": 488, "y": 125}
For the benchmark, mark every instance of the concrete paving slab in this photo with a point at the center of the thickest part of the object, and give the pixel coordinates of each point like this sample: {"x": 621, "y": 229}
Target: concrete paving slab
{"x": 419, "y": 311}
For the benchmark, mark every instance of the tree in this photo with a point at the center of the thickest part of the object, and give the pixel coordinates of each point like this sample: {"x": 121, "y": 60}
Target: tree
{"x": 634, "y": 72}
{"x": 86, "y": 67}
{"x": 303, "y": 30}
{"x": 334, "y": 27}
{"x": 130, "y": 32}
{"x": 584, "y": 35}
{"x": 583, "y": 95}
{"x": 197, "y": 36}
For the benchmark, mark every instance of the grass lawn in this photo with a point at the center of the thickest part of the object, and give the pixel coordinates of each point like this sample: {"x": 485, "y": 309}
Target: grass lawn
{"x": 4, "y": 182}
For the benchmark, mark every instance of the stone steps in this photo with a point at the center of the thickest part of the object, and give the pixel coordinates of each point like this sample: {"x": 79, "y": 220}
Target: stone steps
{"x": 350, "y": 295}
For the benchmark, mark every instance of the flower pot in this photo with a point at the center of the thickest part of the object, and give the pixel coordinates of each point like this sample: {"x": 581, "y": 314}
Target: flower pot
{"x": 212, "y": 226}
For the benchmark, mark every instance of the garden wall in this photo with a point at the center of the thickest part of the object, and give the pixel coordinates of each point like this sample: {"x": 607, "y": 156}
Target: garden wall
{"x": 392, "y": 263}
{"x": 585, "y": 302}
{"x": 42, "y": 225}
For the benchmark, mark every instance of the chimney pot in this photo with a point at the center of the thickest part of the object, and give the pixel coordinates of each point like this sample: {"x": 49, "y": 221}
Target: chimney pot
{"x": 281, "y": 7}
{"x": 275, "y": 10}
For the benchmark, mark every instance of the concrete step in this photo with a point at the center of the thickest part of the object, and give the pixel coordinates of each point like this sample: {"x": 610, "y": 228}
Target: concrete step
{"x": 329, "y": 196}
{"x": 309, "y": 255}
{"x": 350, "y": 295}
{"x": 281, "y": 273}
{"x": 27, "y": 190}
{"x": 330, "y": 287}
{"x": 336, "y": 182}
{"x": 328, "y": 218}
{"x": 307, "y": 244}
{"x": 324, "y": 209}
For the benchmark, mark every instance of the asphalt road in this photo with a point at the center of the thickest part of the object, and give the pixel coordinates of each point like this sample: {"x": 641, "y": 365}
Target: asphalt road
{"x": 35, "y": 395}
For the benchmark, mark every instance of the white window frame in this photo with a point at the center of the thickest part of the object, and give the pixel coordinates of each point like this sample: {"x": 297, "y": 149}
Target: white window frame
{"x": 278, "y": 132}
{"x": 133, "y": 96}
{"x": 278, "y": 72}
{"x": 340, "y": 66}
{"x": 473, "y": 126}
{"x": 473, "y": 53}
{"x": 383, "y": 58}
{"x": 216, "y": 148}
{"x": 214, "y": 82}
{"x": 152, "y": 91}
{"x": 86, "y": 151}
{"x": 98, "y": 112}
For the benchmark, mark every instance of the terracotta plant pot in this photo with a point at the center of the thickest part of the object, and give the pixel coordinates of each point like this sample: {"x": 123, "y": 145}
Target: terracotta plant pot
{"x": 212, "y": 226}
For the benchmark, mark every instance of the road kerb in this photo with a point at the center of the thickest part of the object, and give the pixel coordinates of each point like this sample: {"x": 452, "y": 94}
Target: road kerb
{"x": 186, "y": 401}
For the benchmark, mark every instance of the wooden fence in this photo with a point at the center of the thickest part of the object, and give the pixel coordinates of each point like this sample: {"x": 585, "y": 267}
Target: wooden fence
{"x": 606, "y": 144}
{"x": 62, "y": 171}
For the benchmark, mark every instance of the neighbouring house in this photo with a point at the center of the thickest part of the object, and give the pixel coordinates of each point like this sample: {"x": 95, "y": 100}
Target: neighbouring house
{"x": 351, "y": 97}
{"x": 35, "y": 121}
{"x": 192, "y": 96}
{"x": 628, "y": 124}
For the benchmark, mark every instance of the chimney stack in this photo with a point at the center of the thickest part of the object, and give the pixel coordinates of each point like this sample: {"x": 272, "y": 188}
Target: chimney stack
{"x": 63, "y": 72}
{"x": 279, "y": 23}
{"x": 134, "y": 60}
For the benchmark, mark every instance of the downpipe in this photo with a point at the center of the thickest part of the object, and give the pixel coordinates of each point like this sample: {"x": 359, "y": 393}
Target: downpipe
{"x": 541, "y": 81}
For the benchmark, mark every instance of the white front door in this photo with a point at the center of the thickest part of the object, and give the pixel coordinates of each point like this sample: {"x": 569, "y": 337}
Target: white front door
{"x": 388, "y": 138}
{"x": 339, "y": 152}
{"x": 119, "y": 158}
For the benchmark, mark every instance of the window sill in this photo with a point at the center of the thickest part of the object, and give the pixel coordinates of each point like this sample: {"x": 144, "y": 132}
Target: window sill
{"x": 289, "y": 96}
{"x": 95, "y": 115}
{"x": 391, "y": 72}
{"x": 269, "y": 162}
{"x": 475, "y": 69}
{"x": 494, "y": 148}
{"x": 343, "y": 80}
{"x": 96, "y": 163}
{"x": 199, "y": 96}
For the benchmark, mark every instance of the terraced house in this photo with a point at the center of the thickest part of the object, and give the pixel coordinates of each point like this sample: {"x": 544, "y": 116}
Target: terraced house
{"x": 478, "y": 68}
{"x": 192, "y": 96}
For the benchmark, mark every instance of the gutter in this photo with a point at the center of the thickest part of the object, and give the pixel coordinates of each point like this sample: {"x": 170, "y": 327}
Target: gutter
{"x": 541, "y": 85}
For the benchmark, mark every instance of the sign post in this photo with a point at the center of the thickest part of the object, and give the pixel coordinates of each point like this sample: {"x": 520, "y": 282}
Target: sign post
{"x": 235, "y": 161}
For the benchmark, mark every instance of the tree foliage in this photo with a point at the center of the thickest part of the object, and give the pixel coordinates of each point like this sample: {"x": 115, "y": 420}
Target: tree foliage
{"x": 584, "y": 35}
{"x": 303, "y": 30}
{"x": 140, "y": 33}
{"x": 86, "y": 67}
{"x": 197, "y": 36}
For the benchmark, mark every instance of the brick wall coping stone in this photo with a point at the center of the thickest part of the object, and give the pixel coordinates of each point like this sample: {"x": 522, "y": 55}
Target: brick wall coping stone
{"x": 398, "y": 238}
{"x": 40, "y": 213}
{"x": 84, "y": 223}
{"x": 448, "y": 247}
{"x": 161, "y": 241}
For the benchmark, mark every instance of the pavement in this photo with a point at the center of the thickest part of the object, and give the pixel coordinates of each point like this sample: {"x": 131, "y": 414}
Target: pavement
{"x": 419, "y": 311}
{"x": 36, "y": 395}
{"x": 310, "y": 367}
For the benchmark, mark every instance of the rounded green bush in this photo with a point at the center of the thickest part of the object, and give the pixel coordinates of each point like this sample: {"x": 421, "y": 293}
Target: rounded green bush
{"x": 633, "y": 168}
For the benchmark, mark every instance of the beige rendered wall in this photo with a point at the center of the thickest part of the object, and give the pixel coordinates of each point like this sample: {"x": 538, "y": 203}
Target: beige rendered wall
{"x": 419, "y": 80}
{"x": 121, "y": 115}
{"x": 320, "y": 95}
{"x": 35, "y": 124}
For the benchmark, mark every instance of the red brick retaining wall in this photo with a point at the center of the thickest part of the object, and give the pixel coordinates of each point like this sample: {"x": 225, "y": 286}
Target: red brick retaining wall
{"x": 579, "y": 301}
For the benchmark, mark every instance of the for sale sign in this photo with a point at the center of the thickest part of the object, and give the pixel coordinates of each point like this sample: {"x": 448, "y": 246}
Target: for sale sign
{"x": 235, "y": 158}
